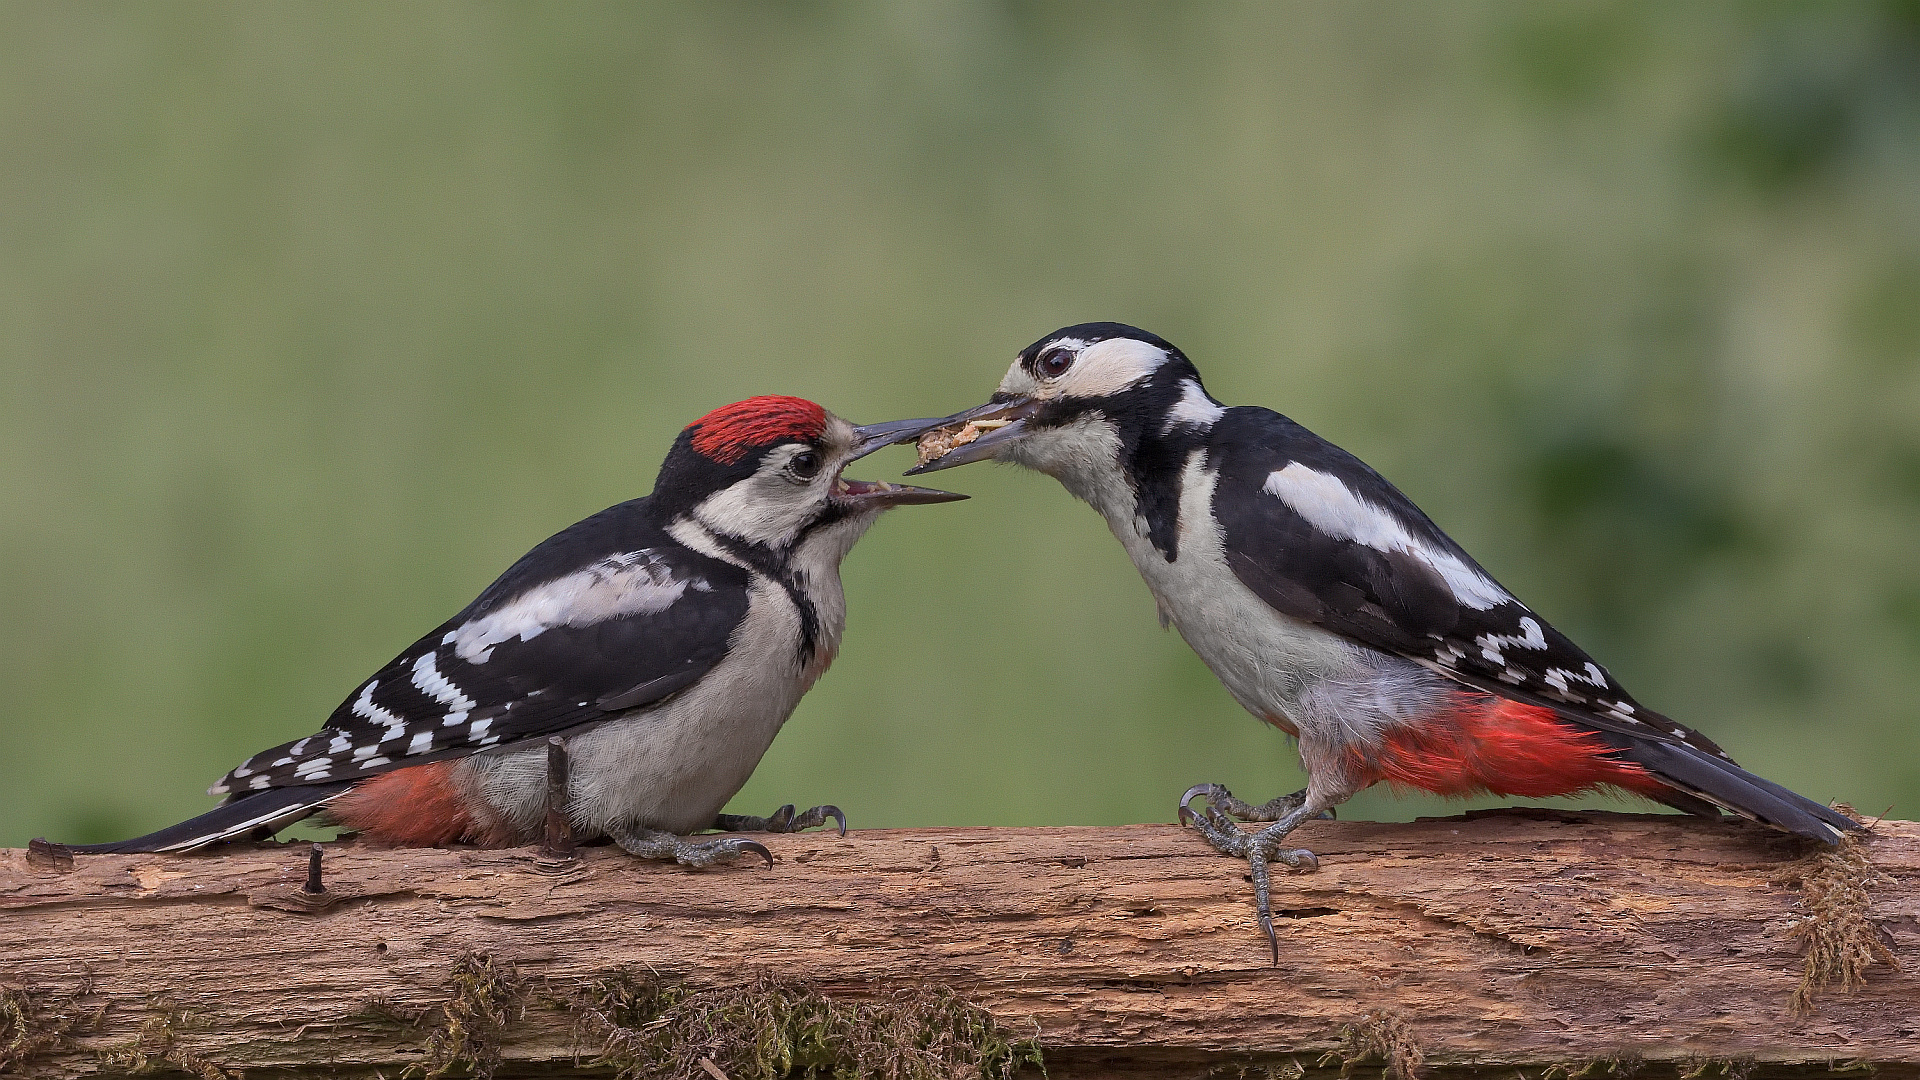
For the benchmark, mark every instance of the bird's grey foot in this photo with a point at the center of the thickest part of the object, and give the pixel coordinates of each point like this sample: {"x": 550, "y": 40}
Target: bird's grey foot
{"x": 651, "y": 844}
{"x": 783, "y": 820}
{"x": 1260, "y": 849}
{"x": 1273, "y": 810}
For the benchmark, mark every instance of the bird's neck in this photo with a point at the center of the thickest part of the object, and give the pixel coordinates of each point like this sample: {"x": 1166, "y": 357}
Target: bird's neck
{"x": 808, "y": 572}
{"x": 1135, "y": 484}
{"x": 1085, "y": 456}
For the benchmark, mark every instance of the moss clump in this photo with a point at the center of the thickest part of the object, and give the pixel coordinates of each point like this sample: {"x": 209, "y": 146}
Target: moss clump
{"x": 1290, "y": 1069}
{"x": 1382, "y": 1035}
{"x": 1729, "y": 1069}
{"x": 383, "y": 1012}
{"x": 1616, "y": 1067}
{"x": 35, "y": 1022}
{"x": 487, "y": 995}
{"x": 771, "y": 1029}
{"x": 1840, "y": 937}
{"x": 158, "y": 1045}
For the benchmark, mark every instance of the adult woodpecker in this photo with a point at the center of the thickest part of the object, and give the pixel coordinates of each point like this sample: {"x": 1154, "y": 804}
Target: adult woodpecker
{"x": 1331, "y": 606}
{"x": 668, "y": 637}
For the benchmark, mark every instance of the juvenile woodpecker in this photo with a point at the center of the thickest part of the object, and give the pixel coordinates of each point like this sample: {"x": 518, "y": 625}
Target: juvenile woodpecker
{"x": 1331, "y": 607}
{"x": 668, "y": 638}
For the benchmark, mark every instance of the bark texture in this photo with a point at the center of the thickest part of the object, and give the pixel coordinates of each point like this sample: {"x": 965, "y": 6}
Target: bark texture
{"x": 1549, "y": 943}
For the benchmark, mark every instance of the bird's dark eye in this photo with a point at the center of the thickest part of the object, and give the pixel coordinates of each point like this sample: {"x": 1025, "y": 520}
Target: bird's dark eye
{"x": 1053, "y": 363}
{"x": 804, "y": 465}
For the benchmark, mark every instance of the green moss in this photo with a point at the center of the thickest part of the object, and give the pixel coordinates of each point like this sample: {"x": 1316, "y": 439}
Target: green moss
{"x": 770, "y": 1029}
{"x": 487, "y": 995}
{"x": 1382, "y": 1035}
{"x": 1290, "y": 1069}
{"x": 1720, "y": 1069}
{"x": 158, "y": 1046}
{"x": 385, "y": 1013}
{"x": 35, "y": 1022}
{"x": 1840, "y": 937}
{"x": 1617, "y": 1067}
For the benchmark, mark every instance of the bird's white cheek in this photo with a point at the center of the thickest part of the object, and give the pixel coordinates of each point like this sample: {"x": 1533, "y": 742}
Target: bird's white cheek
{"x": 762, "y": 510}
{"x": 1019, "y": 382}
{"x": 1108, "y": 367}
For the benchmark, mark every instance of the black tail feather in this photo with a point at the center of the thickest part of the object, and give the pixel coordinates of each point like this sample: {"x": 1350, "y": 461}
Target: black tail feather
{"x": 1740, "y": 791}
{"x": 273, "y": 809}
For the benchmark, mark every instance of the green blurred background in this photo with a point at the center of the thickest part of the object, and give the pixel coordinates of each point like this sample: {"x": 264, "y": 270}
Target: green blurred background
{"x": 313, "y": 317}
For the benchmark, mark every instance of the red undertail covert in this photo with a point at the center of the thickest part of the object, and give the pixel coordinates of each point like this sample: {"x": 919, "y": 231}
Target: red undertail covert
{"x": 1492, "y": 745}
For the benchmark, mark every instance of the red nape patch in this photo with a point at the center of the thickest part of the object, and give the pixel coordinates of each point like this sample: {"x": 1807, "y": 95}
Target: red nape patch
{"x": 421, "y": 806}
{"x": 1489, "y": 745}
{"x": 727, "y": 433}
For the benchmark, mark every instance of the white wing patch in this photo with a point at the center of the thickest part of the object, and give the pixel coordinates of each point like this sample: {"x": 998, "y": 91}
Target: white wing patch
{"x": 429, "y": 681}
{"x": 364, "y": 708}
{"x": 1194, "y": 407}
{"x": 632, "y": 583}
{"x": 1334, "y": 509}
{"x": 427, "y": 677}
{"x": 1558, "y": 678}
{"x": 1529, "y": 637}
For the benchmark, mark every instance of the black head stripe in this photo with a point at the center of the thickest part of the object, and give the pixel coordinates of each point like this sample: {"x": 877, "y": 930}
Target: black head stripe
{"x": 1092, "y": 332}
{"x": 769, "y": 564}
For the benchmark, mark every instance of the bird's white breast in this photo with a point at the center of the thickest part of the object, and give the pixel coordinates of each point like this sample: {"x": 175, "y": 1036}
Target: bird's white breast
{"x": 1316, "y": 684}
{"x": 1265, "y": 659}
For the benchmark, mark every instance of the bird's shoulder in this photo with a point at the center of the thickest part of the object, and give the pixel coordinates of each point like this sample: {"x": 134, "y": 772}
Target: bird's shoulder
{"x": 618, "y": 531}
{"x": 1287, "y": 497}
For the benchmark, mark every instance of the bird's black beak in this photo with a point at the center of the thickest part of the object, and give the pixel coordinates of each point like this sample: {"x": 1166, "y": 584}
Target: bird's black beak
{"x": 874, "y": 493}
{"x": 871, "y": 493}
{"x": 976, "y": 434}
{"x": 870, "y": 437}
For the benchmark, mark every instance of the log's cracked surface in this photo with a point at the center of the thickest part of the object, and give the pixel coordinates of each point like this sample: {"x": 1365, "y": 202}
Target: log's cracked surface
{"x": 1509, "y": 940}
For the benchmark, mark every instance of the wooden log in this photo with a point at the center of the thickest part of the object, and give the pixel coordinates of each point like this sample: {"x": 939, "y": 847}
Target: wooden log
{"x": 1543, "y": 942}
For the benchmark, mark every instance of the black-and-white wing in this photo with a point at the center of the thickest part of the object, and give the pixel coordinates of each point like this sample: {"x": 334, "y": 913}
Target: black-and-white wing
{"x": 1320, "y": 536}
{"x": 599, "y": 619}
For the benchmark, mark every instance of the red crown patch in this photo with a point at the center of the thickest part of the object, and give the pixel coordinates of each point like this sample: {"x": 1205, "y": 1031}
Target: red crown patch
{"x": 727, "y": 433}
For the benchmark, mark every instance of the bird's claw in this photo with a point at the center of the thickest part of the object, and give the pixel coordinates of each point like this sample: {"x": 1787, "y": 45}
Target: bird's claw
{"x": 1299, "y": 859}
{"x": 819, "y": 815}
{"x": 1260, "y": 849}
{"x": 1258, "y": 857}
{"x": 783, "y": 820}
{"x": 757, "y": 848}
{"x": 1210, "y": 792}
{"x": 834, "y": 812}
{"x": 652, "y": 844}
{"x": 1199, "y": 791}
{"x": 688, "y": 854}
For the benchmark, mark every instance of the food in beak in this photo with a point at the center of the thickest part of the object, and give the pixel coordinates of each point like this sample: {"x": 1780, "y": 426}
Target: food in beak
{"x": 942, "y": 441}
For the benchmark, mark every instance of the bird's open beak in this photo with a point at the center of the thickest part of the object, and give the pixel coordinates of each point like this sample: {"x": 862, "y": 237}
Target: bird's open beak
{"x": 870, "y": 437}
{"x": 976, "y": 434}
{"x": 867, "y": 493}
